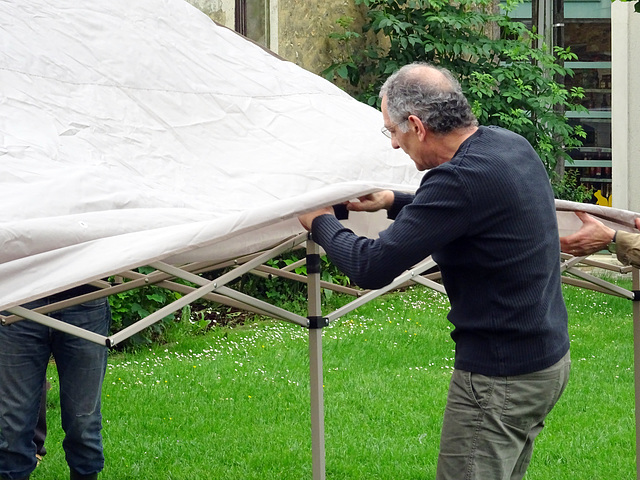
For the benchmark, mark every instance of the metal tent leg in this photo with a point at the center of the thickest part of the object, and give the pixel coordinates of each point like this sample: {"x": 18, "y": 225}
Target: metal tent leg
{"x": 317, "y": 404}
{"x": 316, "y": 322}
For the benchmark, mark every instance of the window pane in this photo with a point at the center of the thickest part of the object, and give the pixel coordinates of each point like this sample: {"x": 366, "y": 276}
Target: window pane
{"x": 597, "y": 87}
{"x": 591, "y": 41}
{"x": 257, "y": 21}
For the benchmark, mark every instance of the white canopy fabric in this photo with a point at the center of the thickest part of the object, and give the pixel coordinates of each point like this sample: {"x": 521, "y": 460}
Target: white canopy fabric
{"x": 615, "y": 218}
{"x": 139, "y": 131}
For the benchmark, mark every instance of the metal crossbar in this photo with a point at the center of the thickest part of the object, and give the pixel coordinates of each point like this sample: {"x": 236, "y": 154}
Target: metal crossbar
{"x": 206, "y": 288}
{"x": 413, "y": 275}
{"x": 59, "y": 325}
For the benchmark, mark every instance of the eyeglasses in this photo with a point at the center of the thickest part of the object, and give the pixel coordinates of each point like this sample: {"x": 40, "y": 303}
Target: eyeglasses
{"x": 388, "y": 133}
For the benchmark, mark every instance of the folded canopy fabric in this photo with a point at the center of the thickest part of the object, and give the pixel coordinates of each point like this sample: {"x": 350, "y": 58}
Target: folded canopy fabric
{"x": 140, "y": 131}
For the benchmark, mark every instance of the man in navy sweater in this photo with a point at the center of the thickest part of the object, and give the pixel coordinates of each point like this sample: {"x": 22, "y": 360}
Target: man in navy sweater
{"x": 485, "y": 212}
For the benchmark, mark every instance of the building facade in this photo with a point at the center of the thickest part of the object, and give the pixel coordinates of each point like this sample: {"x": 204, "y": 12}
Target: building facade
{"x": 297, "y": 30}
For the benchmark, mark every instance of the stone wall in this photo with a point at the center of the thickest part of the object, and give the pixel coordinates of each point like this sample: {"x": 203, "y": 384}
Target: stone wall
{"x": 303, "y": 27}
{"x": 221, "y": 11}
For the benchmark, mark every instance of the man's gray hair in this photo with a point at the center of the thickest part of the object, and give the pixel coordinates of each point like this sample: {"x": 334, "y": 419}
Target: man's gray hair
{"x": 440, "y": 105}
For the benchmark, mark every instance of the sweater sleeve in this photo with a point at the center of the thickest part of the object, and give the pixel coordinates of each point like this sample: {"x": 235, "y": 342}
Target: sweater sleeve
{"x": 400, "y": 200}
{"x": 437, "y": 215}
{"x": 628, "y": 248}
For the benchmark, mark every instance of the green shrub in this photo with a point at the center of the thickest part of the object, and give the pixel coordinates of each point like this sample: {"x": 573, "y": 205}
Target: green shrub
{"x": 568, "y": 187}
{"x": 133, "y": 305}
{"x": 509, "y": 80}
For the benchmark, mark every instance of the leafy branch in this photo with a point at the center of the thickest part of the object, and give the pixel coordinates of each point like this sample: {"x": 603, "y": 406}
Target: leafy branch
{"x": 510, "y": 81}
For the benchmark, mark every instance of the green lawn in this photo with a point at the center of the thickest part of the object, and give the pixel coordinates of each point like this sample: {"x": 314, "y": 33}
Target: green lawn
{"x": 234, "y": 404}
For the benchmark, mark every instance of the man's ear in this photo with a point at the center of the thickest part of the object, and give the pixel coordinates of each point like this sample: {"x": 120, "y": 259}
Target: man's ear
{"x": 417, "y": 126}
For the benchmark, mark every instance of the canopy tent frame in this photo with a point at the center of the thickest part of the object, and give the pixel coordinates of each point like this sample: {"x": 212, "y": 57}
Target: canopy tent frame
{"x": 587, "y": 281}
{"x": 216, "y": 291}
{"x": 569, "y": 265}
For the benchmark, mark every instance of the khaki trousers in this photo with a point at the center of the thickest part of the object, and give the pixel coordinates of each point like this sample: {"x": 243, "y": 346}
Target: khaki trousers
{"x": 491, "y": 423}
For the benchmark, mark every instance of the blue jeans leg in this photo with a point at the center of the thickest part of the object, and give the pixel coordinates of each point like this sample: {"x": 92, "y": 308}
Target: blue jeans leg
{"x": 24, "y": 354}
{"x": 81, "y": 368}
{"x": 25, "y": 349}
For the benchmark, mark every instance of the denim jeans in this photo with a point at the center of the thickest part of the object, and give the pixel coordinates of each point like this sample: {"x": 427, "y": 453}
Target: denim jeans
{"x": 490, "y": 423}
{"x": 25, "y": 350}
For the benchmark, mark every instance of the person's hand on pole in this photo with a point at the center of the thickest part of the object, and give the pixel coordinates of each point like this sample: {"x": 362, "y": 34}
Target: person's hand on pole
{"x": 592, "y": 237}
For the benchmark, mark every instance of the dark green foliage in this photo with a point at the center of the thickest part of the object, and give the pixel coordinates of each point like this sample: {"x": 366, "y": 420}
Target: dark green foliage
{"x": 285, "y": 293}
{"x": 636, "y": 7}
{"x": 509, "y": 79}
{"x": 133, "y": 305}
{"x": 569, "y": 188}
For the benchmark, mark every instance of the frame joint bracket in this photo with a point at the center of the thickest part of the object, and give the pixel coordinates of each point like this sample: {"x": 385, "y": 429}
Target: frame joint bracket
{"x": 317, "y": 322}
{"x": 313, "y": 263}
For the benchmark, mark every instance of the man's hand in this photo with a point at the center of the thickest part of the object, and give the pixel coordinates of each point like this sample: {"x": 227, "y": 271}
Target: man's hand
{"x": 592, "y": 237}
{"x": 373, "y": 202}
{"x": 307, "y": 219}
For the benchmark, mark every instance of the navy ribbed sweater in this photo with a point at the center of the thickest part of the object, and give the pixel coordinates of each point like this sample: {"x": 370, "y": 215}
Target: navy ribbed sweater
{"x": 488, "y": 218}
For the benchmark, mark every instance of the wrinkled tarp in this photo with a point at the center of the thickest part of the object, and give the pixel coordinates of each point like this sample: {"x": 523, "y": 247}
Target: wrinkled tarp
{"x": 140, "y": 131}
